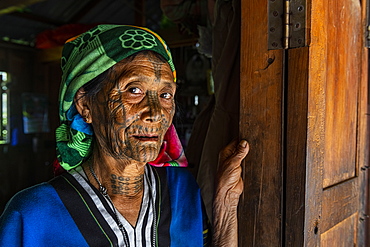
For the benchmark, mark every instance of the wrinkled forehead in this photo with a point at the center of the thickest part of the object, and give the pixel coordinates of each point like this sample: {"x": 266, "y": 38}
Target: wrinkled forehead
{"x": 140, "y": 63}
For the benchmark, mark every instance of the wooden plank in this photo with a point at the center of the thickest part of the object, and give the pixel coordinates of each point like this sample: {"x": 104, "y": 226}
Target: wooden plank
{"x": 339, "y": 202}
{"x": 343, "y": 76}
{"x": 296, "y": 127}
{"x": 83, "y": 11}
{"x": 316, "y": 122}
{"x": 9, "y": 6}
{"x": 342, "y": 235}
{"x": 261, "y": 117}
{"x": 38, "y": 18}
{"x": 8, "y": 45}
{"x": 333, "y": 90}
{"x": 363, "y": 146}
{"x": 10, "y": 3}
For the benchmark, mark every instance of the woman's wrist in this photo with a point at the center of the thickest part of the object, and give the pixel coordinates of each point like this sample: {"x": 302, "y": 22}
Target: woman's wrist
{"x": 226, "y": 198}
{"x": 225, "y": 225}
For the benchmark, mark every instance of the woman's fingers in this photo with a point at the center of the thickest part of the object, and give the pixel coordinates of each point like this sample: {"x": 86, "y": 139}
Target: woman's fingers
{"x": 229, "y": 184}
{"x": 231, "y": 156}
{"x": 242, "y": 150}
{"x": 234, "y": 153}
{"x": 228, "y": 151}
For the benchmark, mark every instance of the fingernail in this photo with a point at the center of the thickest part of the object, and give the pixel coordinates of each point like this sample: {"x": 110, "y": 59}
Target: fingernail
{"x": 243, "y": 143}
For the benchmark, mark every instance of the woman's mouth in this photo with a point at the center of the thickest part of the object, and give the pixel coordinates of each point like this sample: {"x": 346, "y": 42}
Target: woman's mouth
{"x": 145, "y": 138}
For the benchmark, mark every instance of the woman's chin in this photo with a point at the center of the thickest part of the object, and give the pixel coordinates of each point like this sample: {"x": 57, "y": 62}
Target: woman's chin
{"x": 146, "y": 154}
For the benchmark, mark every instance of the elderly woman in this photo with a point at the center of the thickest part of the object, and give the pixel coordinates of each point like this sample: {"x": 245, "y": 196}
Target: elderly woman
{"x": 116, "y": 110}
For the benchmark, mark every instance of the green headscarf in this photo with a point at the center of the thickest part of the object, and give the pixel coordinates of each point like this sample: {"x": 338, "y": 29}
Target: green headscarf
{"x": 83, "y": 59}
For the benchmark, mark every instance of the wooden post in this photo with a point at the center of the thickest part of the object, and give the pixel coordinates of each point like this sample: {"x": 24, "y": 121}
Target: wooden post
{"x": 261, "y": 117}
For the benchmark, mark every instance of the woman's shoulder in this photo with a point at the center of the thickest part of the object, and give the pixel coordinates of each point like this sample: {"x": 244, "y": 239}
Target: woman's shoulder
{"x": 176, "y": 175}
{"x": 174, "y": 170}
{"x": 34, "y": 215}
{"x": 32, "y": 198}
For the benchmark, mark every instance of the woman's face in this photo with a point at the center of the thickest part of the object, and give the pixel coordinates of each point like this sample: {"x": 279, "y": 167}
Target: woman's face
{"x": 134, "y": 109}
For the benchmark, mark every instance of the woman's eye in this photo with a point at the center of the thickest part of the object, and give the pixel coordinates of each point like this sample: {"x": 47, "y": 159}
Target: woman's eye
{"x": 135, "y": 90}
{"x": 166, "y": 95}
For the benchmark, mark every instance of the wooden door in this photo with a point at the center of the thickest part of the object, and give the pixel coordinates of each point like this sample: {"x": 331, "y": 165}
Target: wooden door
{"x": 305, "y": 114}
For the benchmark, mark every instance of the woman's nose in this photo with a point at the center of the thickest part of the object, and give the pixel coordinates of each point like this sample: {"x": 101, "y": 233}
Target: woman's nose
{"x": 153, "y": 112}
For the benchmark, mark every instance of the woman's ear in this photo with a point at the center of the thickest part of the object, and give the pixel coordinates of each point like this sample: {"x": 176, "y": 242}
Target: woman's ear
{"x": 82, "y": 106}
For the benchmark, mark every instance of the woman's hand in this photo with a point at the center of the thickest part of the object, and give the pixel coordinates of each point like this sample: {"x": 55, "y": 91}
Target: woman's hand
{"x": 228, "y": 181}
{"x": 229, "y": 186}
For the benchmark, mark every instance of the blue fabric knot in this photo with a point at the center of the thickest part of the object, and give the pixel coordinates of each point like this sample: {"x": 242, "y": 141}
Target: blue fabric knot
{"x": 77, "y": 121}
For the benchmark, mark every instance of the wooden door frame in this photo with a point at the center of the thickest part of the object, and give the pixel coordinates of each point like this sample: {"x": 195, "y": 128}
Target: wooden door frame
{"x": 272, "y": 212}
{"x": 261, "y": 119}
